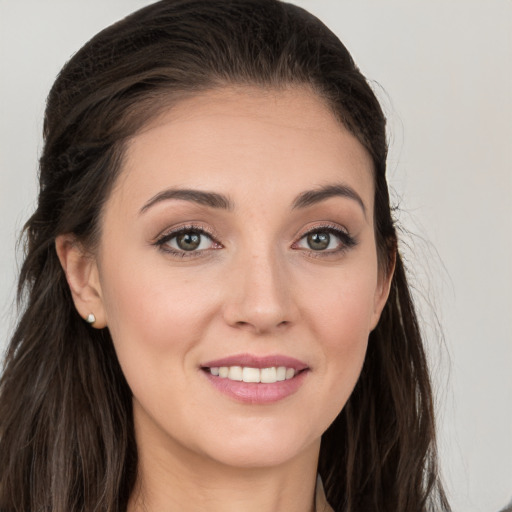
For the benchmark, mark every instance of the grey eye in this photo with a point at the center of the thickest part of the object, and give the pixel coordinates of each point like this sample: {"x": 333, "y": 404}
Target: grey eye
{"x": 325, "y": 239}
{"x": 318, "y": 241}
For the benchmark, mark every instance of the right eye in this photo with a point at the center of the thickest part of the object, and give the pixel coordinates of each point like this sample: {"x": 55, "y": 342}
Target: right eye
{"x": 190, "y": 241}
{"x": 187, "y": 241}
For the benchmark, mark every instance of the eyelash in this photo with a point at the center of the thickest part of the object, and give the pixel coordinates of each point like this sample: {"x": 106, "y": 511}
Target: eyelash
{"x": 346, "y": 241}
{"x": 167, "y": 237}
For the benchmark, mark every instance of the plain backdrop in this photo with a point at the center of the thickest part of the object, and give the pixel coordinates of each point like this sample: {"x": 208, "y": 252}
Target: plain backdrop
{"x": 443, "y": 72}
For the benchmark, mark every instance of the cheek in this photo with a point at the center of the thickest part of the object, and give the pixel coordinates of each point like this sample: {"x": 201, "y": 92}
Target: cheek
{"x": 341, "y": 317}
{"x": 153, "y": 312}
{"x": 345, "y": 335}
{"x": 157, "y": 320}
{"x": 345, "y": 309}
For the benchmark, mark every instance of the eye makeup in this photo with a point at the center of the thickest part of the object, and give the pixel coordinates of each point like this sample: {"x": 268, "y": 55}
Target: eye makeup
{"x": 325, "y": 240}
{"x": 187, "y": 241}
{"x": 194, "y": 240}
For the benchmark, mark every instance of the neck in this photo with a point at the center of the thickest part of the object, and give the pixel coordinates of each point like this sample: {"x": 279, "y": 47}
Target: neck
{"x": 173, "y": 478}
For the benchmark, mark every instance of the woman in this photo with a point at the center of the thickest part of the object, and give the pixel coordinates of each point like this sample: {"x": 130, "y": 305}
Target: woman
{"x": 216, "y": 309}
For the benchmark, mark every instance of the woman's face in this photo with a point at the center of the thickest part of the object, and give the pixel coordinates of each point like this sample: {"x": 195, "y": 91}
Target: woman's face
{"x": 239, "y": 241}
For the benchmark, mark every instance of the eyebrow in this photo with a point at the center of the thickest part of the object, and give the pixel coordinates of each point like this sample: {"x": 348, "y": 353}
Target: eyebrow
{"x": 312, "y": 197}
{"x": 211, "y": 199}
{"x": 220, "y": 201}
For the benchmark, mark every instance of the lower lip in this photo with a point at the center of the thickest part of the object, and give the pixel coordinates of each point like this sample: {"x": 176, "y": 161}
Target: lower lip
{"x": 257, "y": 392}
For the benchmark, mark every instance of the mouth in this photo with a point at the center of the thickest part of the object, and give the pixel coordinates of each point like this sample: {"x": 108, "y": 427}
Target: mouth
{"x": 268, "y": 375}
{"x": 252, "y": 379}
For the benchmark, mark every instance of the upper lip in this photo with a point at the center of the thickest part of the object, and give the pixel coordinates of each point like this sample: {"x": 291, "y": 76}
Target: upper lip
{"x": 252, "y": 361}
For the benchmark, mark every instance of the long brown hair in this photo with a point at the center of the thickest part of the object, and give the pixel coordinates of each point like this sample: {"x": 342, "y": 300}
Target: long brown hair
{"x": 66, "y": 428}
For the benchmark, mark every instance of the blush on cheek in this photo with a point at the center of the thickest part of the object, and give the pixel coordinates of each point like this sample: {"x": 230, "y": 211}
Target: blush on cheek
{"x": 149, "y": 305}
{"x": 345, "y": 324}
{"x": 349, "y": 311}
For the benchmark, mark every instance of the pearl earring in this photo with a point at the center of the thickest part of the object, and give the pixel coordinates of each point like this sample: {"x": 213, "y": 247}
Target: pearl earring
{"x": 90, "y": 319}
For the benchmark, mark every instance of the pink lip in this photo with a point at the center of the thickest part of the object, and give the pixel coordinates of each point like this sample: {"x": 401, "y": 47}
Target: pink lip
{"x": 257, "y": 393}
{"x": 257, "y": 362}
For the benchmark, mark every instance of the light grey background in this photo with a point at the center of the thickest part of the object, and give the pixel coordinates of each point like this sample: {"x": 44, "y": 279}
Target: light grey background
{"x": 443, "y": 71}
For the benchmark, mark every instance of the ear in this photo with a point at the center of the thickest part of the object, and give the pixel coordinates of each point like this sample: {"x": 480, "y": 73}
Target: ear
{"x": 382, "y": 292}
{"x": 83, "y": 278}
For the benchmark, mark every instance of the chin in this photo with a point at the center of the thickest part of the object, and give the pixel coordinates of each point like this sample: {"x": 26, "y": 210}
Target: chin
{"x": 260, "y": 446}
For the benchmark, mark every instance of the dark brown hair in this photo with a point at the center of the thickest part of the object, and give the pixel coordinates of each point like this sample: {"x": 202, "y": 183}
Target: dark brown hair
{"x": 66, "y": 428}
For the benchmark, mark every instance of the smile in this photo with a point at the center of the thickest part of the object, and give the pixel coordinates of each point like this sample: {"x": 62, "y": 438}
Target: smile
{"x": 256, "y": 380}
{"x": 248, "y": 374}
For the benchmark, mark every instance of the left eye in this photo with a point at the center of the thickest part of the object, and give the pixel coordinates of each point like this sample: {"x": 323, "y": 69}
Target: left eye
{"x": 322, "y": 240}
{"x": 190, "y": 240}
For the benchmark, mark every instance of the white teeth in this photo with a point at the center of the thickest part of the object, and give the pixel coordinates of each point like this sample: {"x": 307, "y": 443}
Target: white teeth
{"x": 268, "y": 375}
{"x": 248, "y": 374}
{"x": 290, "y": 373}
{"x": 251, "y": 374}
{"x": 235, "y": 373}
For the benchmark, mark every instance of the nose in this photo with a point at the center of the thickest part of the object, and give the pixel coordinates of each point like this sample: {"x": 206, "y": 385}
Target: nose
{"x": 259, "y": 295}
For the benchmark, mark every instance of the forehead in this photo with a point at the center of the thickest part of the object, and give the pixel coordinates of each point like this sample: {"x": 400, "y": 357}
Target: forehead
{"x": 244, "y": 141}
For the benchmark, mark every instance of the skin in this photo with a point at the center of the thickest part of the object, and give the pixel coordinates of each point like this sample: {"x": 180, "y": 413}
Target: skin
{"x": 257, "y": 288}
